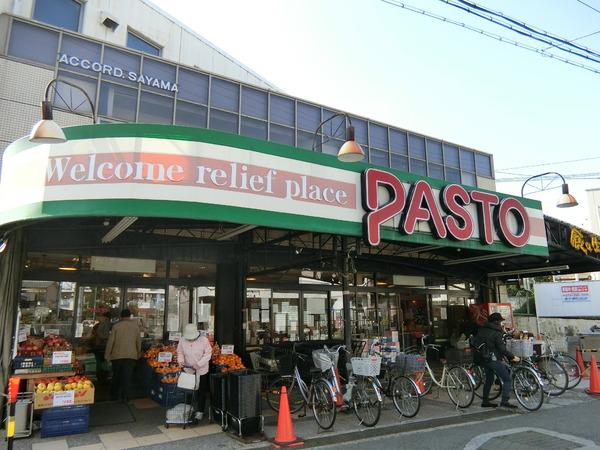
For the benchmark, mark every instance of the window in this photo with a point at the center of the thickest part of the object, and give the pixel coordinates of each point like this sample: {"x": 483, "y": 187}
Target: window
{"x": 378, "y": 135}
{"x": 137, "y": 43}
{"x": 281, "y": 135}
{"x": 468, "y": 179}
{"x": 400, "y": 162}
{"x": 161, "y": 72}
{"x": 483, "y": 165}
{"x": 336, "y": 127}
{"x": 254, "y": 103}
{"x": 224, "y": 95}
{"x": 220, "y": 120}
{"x": 452, "y": 175}
{"x": 282, "y": 110}
{"x": 416, "y": 146}
{"x": 190, "y": 115}
{"x": 332, "y": 146}
{"x": 398, "y": 142}
{"x": 360, "y": 131}
{"x": 451, "y": 155}
{"x": 379, "y": 158}
{"x": 436, "y": 171}
{"x": 33, "y": 43}
{"x": 117, "y": 101}
{"x": 85, "y": 53}
{"x": 254, "y": 128}
{"x": 70, "y": 98}
{"x": 60, "y": 13}
{"x": 467, "y": 160}
{"x": 193, "y": 86}
{"x": 434, "y": 152}
{"x": 124, "y": 60}
{"x": 418, "y": 167}
{"x": 155, "y": 109}
{"x": 305, "y": 140}
{"x": 309, "y": 117}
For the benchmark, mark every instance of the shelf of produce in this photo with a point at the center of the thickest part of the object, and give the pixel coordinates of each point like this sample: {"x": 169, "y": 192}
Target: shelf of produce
{"x": 31, "y": 377}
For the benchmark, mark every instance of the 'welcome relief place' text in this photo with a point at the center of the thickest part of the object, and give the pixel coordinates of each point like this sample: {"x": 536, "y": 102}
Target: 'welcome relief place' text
{"x": 180, "y": 170}
{"x": 118, "y": 72}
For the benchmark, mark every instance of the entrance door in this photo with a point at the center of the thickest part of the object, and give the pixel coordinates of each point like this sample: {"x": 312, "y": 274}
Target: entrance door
{"x": 148, "y": 304}
{"x": 93, "y": 301}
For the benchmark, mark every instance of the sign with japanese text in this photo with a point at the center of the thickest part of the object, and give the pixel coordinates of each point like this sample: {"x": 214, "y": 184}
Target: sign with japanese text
{"x": 568, "y": 299}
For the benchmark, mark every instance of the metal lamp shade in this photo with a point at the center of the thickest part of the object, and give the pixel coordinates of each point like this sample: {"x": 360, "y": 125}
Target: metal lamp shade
{"x": 350, "y": 151}
{"x": 566, "y": 200}
{"x": 47, "y": 132}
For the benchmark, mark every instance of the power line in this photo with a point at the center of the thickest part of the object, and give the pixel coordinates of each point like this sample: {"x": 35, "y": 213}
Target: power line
{"x": 589, "y": 6}
{"x": 578, "y": 38}
{"x": 576, "y": 176}
{"x": 491, "y": 35}
{"x": 548, "y": 164}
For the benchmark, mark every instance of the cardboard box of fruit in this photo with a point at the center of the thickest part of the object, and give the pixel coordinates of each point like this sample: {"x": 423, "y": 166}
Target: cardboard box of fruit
{"x": 52, "y": 392}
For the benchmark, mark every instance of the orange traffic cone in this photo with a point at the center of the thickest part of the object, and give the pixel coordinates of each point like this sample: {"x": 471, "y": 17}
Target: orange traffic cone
{"x": 594, "y": 388}
{"x": 418, "y": 378}
{"x": 580, "y": 363}
{"x": 285, "y": 435}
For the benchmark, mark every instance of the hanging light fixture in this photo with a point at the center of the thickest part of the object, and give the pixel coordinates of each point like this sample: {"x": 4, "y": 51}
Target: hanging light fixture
{"x": 566, "y": 200}
{"x": 350, "y": 151}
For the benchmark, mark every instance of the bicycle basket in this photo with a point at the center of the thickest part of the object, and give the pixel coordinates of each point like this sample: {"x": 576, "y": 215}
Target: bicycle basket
{"x": 409, "y": 363}
{"x": 459, "y": 357}
{"x": 522, "y": 349}
{"x": 368, "y": 367}
{"x": 324, "y": 360}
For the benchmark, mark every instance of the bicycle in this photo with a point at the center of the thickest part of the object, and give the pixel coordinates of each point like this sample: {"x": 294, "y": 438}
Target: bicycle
{"x": 456, "y": 380}
{"x": 566, "y": 361}
{"x": 404, "y": 392}
{"x": 362, "y": 390}
{"x": 319, "y": 395}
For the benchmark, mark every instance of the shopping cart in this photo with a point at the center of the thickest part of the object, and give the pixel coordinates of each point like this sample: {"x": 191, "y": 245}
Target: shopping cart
{"x": 182, "y": 413}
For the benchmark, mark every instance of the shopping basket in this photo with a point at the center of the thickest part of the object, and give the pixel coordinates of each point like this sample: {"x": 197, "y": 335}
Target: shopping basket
{"x": 324, "y": 360}
{"x": 409, "y": 363}
{"x": 368, "y": 367}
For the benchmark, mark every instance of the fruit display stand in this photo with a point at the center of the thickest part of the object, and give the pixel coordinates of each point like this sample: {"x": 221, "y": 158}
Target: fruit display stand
{"x": 162, "y": 371}
{"x": 66, "y": 391}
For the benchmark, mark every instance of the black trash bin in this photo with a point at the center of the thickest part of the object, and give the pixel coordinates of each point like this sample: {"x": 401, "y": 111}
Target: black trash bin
{"x": 244, "y": 409}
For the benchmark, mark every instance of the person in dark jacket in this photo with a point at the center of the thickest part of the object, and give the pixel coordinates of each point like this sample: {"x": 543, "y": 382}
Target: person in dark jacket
{"x": 491, "y": 334}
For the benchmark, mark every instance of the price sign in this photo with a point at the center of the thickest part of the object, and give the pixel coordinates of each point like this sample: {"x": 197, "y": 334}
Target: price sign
{"x": 65, "y": 357}
{"x": 22, "y": 334}
{"x": 166, "y": 357}
{"x": 227, "y": 350}
{"x": 49, "y": 331}
{"x": 63, "y": 398}
{"x": 173, "y": 336}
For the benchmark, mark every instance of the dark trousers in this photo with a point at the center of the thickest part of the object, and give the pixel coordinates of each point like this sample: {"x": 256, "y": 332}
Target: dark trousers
{"x": 201, "y": 392}
{"x": 500, "y": 369}
{"x": 122, "y": 377}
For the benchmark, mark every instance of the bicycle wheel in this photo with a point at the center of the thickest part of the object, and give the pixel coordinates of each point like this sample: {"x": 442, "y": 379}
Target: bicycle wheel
{"x": 527, "y": 388}
{"x": 295, "y": 399}
{"x": 460, "y": 387}
{"x": 573, "y": 370}
{"x": 424, "y": 382}
{"x": 405, "y": 396}
{"x": 366, "y": 401}
{"x": 478, "y": 374}
{"x": 554, "y": 376}
{"x": 323, "y": 404}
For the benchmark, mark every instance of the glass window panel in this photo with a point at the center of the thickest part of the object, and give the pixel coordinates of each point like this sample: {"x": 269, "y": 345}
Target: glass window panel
{"x": 190, "y": 115}
{"x": 282, "y": 135}
{"x": 364, "y": 316}
{"x": 337, "y": 315}
{"x": 163, "y": 76}
{"x": 399, "y": 162}
{"x": 285, "y": 316}
{"x": 257, "y": 316}
{"x": 126, "y": 61}
{"x": 137, "y": 43}
{"x": 453, "y": 175}
{"x": 451, "y": 155}
{"x": 148, "y": 306}
{"x": 305, "y": 140}
{"x": 398, "y": 143}
{"x": 224, "y": 94}
{"x": 335, "y": 127}
{"x": 282, "y": 110}
{"x": 315, "y": 316}
{"x": 220, "y": 120}
{"x": 378, "y": 136}
{"x": 193, "y": 86}
{"x": 365, "y": 150}
{"x": 254, "y": 128}
{"x": 309, "y": 116}
{"x": 332, "y": 146}
{"x": 418, "y": 167}
{"x": 69, "y": 98}
{"x": 81, "y": 54}
{"x": 468, "y": 179}
{"x": 155, "y": 109}
{"x": 47, "y": 304}
{"x": 467, "y": 160}
{"x": 33, "y": 43}
{"x": 416, "y": 146}
{"x": 254, "y": 102}
{"x": 379, "y": 158}
{"x": 116, "y": 101}
{"x": 434, "y": 152}
{"x": 92, "y": 302}
{"x": 436, "y": 171}
{"x": 60, "y": 13}
{"x": 360, "y": 131}
{"x": 483, "y": 164}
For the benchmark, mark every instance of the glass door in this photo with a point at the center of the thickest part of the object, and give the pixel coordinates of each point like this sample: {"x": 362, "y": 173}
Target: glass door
{"x": 148, "y": 305}
{"x": 315, "y": 316}
{"x": 285, "y": 316}
{"x": 337, "y": 315}
{"x": 204, "y": 307}
{"x": 93, "y": 301}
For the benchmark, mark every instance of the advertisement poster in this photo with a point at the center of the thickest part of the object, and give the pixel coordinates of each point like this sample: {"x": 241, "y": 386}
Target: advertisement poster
{"x": 568, "y": 299}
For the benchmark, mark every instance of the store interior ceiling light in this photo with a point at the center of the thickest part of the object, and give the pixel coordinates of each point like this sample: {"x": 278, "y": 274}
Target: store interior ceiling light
{"x": 235, "y": 232}
{"x": 529, "y": 271}
{"x": 477, "y": 258}
{"x": 68, "y": 269}
{"x": 121, "y": 226}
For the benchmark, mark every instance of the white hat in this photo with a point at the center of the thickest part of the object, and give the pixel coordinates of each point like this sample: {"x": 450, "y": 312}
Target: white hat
{"x": 190, "y": 332}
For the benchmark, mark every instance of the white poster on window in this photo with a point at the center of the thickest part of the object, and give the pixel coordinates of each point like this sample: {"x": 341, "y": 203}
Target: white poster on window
{"x": 265, "y": 317}
{"x": 203, "y": 312}
{"x": 173, "y": 322}
{"x": 280, "y": 322}
{"x": 254, "y": 315}
{"x": 285, "y": 306}
{"x": 264, "y": 303}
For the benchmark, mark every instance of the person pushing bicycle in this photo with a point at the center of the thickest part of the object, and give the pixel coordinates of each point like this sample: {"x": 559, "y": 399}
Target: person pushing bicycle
{"x": 491, "y": 350}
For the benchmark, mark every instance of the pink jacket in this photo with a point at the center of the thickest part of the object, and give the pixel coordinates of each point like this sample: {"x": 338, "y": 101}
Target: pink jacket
{"x": 195, "y": 354}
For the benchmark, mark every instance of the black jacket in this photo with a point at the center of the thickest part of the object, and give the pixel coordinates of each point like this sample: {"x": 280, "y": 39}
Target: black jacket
{"x": 491, "y": 334}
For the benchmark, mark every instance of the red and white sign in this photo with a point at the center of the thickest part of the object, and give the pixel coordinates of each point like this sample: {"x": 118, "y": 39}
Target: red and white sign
{"x": 568, "y": 299}
{"x": 63, "y": 398}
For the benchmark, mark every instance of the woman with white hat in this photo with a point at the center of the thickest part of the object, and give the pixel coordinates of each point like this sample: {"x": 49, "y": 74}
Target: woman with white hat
{"x": 193, "y": 354}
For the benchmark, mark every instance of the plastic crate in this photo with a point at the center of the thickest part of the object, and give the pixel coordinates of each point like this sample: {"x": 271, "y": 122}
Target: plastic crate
{"x": 459, "y": 357}
{"x": 65, "y": 421}
{"x": 57, "y": 368}
{"x": 27, "y": 362}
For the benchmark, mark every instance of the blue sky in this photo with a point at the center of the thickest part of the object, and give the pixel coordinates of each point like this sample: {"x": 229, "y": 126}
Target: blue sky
{"x": 383, "y": 62}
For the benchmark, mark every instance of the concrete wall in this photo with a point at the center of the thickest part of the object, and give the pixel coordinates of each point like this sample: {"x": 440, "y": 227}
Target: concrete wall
{"x": 178, "y": 43}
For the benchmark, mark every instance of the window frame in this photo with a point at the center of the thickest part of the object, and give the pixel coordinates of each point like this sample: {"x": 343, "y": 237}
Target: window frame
{"x": 79, "y": 19}
{"x": 141, "y": 37}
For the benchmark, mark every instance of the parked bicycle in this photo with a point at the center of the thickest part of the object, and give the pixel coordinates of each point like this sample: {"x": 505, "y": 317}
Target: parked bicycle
{"x": 317, "y": 393}
{"x": 396, "y": 384}
{"x": 566, "y": 361}
{"x": 455, "y": 379}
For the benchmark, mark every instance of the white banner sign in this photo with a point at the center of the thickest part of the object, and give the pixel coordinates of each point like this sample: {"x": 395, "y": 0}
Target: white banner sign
{"x": 165, "y": 357}
{"x": 227, "y": 350}
{"x": 65, "y": 357}
{"x": 572, "y": 299}
{"x": 63, "y": 398}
